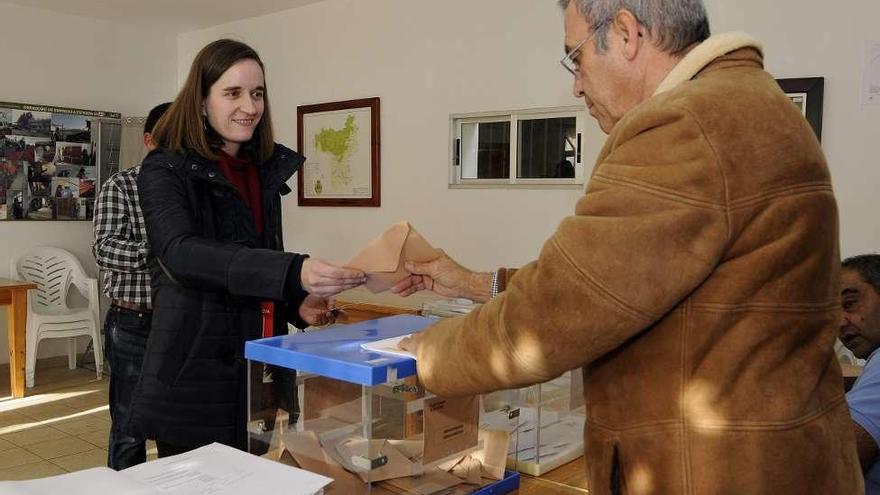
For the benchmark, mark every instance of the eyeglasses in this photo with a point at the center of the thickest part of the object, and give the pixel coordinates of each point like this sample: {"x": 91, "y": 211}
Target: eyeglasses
{"x": 569, "y": 60}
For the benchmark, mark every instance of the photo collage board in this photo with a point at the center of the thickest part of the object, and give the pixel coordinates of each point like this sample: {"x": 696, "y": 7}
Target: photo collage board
{"x": 48, "y": 162}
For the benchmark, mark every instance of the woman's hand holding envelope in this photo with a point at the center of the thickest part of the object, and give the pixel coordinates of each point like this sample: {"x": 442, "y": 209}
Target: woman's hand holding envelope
{"x": 324, "y": 279}
{"x": 402, "y": 260}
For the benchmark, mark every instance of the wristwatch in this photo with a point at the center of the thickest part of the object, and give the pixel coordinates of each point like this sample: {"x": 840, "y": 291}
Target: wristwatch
{"x": 493, "y": 289}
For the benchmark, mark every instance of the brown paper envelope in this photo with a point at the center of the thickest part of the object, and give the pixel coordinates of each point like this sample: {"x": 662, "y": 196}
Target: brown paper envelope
{"x": 322, "y": 393}
{"x": 344, "y": 483}
{"x": 450, "y": 427}
{"x": 306, "y": 451}
{"x": 469, "y": 470}
{"x": 493, "y": 452}
{"x": 382, "y": 254}
{"x": 304, "y": 445}
{"x": 450, "y": 465}
{"x": 412, "y": 449}
{"x": 398, "y": 465}
{"x": 461, "y": 469}
{"x": 474, "y": 473}
{"x": 274, "y": 454}
{"x": 288, "y": 459}
{"x": 383, "y": 259}
{"x": 276, "y": 445}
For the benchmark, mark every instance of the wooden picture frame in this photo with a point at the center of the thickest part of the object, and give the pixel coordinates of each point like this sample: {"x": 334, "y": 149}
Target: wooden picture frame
{"x": 807, "y": 94}
{"x": 341, "y": 143}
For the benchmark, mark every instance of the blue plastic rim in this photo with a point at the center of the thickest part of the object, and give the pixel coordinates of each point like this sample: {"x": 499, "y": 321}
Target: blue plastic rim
{"x": 506, "y": 485}
{"x": 336, "y": 352}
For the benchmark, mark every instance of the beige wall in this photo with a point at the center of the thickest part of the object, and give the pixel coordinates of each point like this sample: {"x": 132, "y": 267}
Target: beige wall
{"x": 804, "y": 38}
{"x": 77, "y": 62}
{"x": 427, "y": 60}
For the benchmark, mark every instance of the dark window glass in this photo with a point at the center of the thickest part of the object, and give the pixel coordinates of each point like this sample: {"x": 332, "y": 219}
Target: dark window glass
{"x": 546, "y": 148}
{"x": 485, "y": 150}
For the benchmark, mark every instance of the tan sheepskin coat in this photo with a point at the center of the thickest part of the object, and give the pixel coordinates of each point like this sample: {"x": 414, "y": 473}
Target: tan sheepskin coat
{"x": 697, "y": 285}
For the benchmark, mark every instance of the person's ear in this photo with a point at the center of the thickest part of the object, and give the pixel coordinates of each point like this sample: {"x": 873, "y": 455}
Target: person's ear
{"x": 627, "y": 27}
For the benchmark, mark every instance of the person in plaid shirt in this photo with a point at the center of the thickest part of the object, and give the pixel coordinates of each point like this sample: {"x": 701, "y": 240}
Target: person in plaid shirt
{"x": 120, "y": 251}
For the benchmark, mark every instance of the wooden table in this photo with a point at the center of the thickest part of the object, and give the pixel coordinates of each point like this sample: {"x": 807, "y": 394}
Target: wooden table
{"x": 13, "y": 293}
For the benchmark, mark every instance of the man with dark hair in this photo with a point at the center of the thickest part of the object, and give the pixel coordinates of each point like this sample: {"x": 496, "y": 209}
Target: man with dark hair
{"x": 120, "y": 251}
{"x": 696, "y": 282}
{"x": 860, "y": 333}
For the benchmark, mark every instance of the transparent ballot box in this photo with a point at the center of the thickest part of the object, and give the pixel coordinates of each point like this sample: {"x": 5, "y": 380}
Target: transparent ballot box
{"x": 550, "y": 428}
{"x": 551, "y": 425}
{"x": 362, "y": 418}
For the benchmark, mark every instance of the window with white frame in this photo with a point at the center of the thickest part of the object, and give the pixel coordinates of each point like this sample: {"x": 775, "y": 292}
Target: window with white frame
{"x": 521, "y": 148}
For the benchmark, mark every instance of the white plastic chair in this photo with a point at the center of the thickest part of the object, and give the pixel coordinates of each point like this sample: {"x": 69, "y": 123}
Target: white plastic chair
{"x": 54, "y": 270}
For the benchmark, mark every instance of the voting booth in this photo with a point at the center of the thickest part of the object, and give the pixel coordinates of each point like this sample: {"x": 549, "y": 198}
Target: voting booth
{"x": 361, "y": 417}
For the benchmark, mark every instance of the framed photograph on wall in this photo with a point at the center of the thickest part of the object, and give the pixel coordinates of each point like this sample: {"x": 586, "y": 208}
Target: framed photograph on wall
{"x": 806, "y": 93}
{"x": 341, "y": 143}
{"x": 50, "y": 161}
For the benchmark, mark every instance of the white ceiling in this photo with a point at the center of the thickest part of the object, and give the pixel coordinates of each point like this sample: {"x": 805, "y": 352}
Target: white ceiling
{"x": 177, "y": 16}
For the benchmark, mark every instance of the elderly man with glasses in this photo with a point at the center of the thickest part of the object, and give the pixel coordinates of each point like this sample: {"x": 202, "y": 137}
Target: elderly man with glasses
{"x": 696, "y": 283}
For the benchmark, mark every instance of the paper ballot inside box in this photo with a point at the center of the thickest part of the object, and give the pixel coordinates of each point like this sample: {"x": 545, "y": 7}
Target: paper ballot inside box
{"x": 383, "y": 259}
{"x": 389, "y": 346}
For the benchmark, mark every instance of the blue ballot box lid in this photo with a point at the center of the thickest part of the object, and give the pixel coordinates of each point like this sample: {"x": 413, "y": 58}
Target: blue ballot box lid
{"x": 336, "y": 352}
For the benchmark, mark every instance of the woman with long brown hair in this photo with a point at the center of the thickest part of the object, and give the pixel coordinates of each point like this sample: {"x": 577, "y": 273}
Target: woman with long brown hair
{"x": 211, "y": 196}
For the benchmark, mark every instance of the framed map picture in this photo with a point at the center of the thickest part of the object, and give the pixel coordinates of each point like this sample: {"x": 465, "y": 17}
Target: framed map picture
{"x": 806, "y": 93}
{"x": 341, "y": 143}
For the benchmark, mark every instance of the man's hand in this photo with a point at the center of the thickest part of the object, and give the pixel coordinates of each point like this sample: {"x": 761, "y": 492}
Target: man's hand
{"x": 316, "y": 311}
{"x": 325, "y": 279}
{"x": 445, "y": 277}
{"x": 410, "y": 344}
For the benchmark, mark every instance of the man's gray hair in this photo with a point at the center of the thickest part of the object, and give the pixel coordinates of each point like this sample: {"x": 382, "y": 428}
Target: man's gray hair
{"x": 674, "y": 25}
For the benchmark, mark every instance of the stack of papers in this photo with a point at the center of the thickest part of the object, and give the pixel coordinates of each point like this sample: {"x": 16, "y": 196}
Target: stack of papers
{"x": 445, "y": 308}
{"x": 211, "y": 470}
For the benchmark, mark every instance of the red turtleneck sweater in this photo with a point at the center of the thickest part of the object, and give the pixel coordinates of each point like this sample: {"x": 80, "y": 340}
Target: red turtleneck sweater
{"x": 245, "y": 176}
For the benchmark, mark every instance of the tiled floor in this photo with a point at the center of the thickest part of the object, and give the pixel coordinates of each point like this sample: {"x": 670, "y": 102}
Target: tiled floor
{"x": 61, "y": 424}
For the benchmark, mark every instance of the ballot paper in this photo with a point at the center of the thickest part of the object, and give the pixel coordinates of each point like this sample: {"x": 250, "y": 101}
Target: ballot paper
{"x": 86, "y": 482}
{"x": 350, "y": 449}
{"x": 489, "y": 460}
{"x": 306, "y": 450}
{"x": 383, "y": 259}
{"x": 220, "y": 470}
{"x": 493, "y": 452}
{"x": 389, "y": 346}
{"x": 560, "y": 435}
{"x": 211, "y": 470}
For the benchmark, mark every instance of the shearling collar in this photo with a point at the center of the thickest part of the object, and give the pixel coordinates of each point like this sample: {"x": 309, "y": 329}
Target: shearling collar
{"x": 704, "y": 54}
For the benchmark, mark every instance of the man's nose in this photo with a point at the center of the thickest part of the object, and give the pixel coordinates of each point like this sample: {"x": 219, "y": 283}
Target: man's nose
{"x": 578, "y": 87}
{"x": 846, "y": 327}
